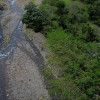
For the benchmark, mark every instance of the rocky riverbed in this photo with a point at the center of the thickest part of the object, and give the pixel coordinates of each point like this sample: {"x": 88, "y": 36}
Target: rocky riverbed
{"x": 20, "y": 62}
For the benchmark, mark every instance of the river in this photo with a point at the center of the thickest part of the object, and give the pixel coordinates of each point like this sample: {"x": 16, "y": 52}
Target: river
{"x": 20, "y": 66}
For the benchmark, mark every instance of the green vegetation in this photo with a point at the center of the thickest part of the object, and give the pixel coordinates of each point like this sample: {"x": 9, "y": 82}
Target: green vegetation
{"x": 67, "y": 1}
{"x": 0, "y": 1}
{"x": 73, "y": 44}
{"x": 94, "y": 10}
{"x": 80, "y": 66}
{"x": 34, "y": 17}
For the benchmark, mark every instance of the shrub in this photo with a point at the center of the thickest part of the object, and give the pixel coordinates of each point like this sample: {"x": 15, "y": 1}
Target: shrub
{"x": 82, "y": 31}
{"x": 89, "y": 1}
{"x": 94, "y": 12}
{"x": 76, "y": 13}
{"x": 34, "y": 17}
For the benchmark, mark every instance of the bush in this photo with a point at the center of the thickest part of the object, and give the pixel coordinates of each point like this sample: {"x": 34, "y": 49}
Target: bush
{"x": 73, "y": 13}
{"x": 82, "y": 31}
{"x": 94, "y": 12}
{"x": 50, "y": 27}
{"x": 89, "y": 1}
{"x": 50, "y": 2}
{"x": 34, "y": 17}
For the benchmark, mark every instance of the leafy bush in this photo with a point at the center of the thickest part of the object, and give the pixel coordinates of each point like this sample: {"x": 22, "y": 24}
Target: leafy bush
{"x": 82, "y": 31}
{"x": 78, "y": 12}
{"x": 94, "y": 11}
{"x": 34, "y": 17}
{"x": 50, "y": 2}
{"x": 89, "y": 1}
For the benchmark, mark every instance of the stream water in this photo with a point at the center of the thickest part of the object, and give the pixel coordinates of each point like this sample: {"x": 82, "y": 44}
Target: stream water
{"x": 6, "y": 50}
{"x": 13, "y": 2}
{"x": 1, "y": 38}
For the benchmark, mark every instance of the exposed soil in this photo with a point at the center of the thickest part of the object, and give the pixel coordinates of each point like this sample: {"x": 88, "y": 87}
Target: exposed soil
{"x": 38, "y": 39}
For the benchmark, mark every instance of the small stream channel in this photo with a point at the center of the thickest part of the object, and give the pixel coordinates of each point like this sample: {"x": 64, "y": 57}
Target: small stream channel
{"x": 6, "y": 50}
{"x": 1, "y": 37}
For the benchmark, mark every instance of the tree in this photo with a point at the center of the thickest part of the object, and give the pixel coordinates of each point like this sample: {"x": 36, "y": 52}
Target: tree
{"x": 34, "y": 17}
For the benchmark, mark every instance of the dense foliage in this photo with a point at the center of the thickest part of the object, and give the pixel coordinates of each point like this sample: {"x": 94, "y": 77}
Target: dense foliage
{"x": 80, "y": 67}
{"x": 75, "y": 52}
{"x": 34, "y": 18}
{"x": 94, "y": 10}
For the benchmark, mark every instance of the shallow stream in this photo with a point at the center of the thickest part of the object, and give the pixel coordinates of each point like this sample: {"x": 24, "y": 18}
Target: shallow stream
{"x": 6, "y": 50}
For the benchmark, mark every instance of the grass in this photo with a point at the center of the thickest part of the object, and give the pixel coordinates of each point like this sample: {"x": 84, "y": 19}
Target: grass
{"x": 47, "y": 73}
{"x": 6, "y": 21}
{"x": 67, "y": 1}
{"x": 6, "y": 40}
{"x": 1, "y": 1}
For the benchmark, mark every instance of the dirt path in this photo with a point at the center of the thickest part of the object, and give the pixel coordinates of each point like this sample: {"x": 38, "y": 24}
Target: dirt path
{"x": 22, "y": 67}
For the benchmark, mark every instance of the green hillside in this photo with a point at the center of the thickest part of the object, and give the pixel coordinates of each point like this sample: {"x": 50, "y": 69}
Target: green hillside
{"x": 73, "y": 44}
